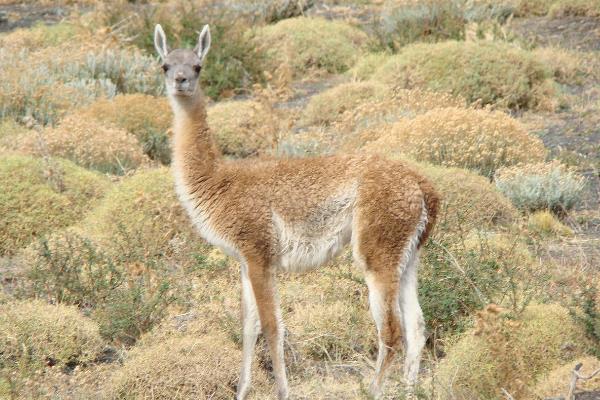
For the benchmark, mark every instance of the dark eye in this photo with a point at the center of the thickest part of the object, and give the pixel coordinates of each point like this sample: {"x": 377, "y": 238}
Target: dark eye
{"x": 197, "y": 68}
{"x": 165, "y": 67}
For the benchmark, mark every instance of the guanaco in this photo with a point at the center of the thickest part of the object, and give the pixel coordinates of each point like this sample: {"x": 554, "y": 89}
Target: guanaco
{"x": 296, "y": 214}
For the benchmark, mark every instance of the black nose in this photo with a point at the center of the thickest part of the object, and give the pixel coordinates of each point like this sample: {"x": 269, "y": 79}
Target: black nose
{"x": 181, "y": 79}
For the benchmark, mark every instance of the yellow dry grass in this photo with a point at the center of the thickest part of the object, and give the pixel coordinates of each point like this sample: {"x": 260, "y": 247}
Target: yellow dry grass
{"x": 203, "y": 367}
{"x": 556, "y": 382}
{"x": 544, "y": 223}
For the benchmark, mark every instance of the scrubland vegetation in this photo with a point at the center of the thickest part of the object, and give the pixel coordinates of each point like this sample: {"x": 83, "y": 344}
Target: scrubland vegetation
{"x": 107, "y": 292}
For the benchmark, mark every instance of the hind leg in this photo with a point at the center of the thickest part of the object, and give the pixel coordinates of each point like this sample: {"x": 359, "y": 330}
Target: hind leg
{"x": 383, "y": 302}
{"x": 412, "y": 323}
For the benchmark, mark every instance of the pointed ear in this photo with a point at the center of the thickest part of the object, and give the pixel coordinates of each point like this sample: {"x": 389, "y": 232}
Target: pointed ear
{"x": 160, "y": 42}
{"x": 203, "y": 43}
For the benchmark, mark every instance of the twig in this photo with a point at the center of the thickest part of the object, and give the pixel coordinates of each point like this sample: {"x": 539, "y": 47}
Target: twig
{"x": 462, "y": 271}
{"x": 575, "y": 376}
{"x": 505, "y": 393}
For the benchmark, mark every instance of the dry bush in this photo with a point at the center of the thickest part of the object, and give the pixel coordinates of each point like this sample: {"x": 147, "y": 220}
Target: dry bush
{"x": 328, "y": 106}
{"x": 583, "y": 8}
{"x": 146, "y": 117}
{"x": 366, "y": 66}
{"x": 364, "y": 122}
{"x": 544, "y": 223}
{"x": 311, "y": 45}
{"x": 468, "y": 201}
{"x": 328, "y": 387}
{"x": 243, "y": 128}
{"x": 532, "y": 7}
{"x": 89, "y": 144}
{"x": 508, "y": 353}
{"x": 486, "y": 72}
{"x": 336, "y": 331}
{"x": 556, "y": 382}
{"x": 407, "y": 21}
{"x": 40, "y": 195}
{"x": 204, "y": 367}
{"x": 478, "y": 140}
{"x": 328, "y": 316}
{"x": 567, "y": 66}
{"x": 34, "y": 334}
{"x": 541, "y": 186}
{"x": 141, "y": 219}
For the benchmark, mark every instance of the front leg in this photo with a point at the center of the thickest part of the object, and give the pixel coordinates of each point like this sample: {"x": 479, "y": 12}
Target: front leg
{"x": 251, "y": 329}
{"x": 262, "y": 282}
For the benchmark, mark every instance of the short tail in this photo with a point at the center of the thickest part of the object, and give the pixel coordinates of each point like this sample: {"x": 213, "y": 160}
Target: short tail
{"x": 431, "y": 200}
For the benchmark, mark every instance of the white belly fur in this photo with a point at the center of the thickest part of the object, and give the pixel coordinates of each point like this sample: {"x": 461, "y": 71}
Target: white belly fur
{"x": 317, "y": 240}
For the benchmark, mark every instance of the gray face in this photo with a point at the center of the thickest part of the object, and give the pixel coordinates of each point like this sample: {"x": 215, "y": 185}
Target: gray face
{"x": 182, "y": 69}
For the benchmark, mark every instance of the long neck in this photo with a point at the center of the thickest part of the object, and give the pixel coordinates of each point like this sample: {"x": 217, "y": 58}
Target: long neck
{"x": 195, "y": 154}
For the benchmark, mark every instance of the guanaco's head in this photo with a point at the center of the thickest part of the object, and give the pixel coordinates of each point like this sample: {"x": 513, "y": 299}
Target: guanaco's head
{"x": 182, "y": 66}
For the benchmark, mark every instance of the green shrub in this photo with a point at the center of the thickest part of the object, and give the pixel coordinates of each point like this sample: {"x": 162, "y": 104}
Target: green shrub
{"x": 311, "y": 45}
{"x": 508, "y": 353}
{"x": 407, "y": 21}
{"x": 126, "y": 298}
{"x": 542, "y": 186}
{"x": 39, "y": 196}
{"x": 486, "y": 72}
{"x": 585, "y": 310}
{"x": 34, "y": 334}
{"x": 478, "y": 140}
{"x": 366, "y": 66}
{"x": 458, "y": 277}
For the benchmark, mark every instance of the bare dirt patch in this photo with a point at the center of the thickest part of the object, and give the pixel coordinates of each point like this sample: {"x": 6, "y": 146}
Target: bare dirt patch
{"x": 576, "y": 33}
